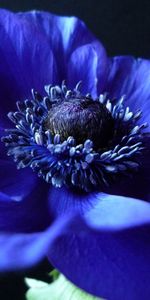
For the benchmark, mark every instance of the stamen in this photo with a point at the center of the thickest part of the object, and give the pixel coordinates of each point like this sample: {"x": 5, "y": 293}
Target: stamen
{"x": 71, "y": 139}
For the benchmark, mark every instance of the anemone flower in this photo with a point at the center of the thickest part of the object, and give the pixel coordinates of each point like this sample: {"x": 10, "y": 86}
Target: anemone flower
{"x": 85, "y": 206}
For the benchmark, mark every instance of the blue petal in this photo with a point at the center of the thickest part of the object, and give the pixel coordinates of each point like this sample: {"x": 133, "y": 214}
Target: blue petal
{"x": 88, "y": 64}
{"x": 110, "y": 209}
{"x": 83, "y": 66}
{"x": 107, "y": 250}
{"x": 105, "y": 242}
{"x": 27, "y": 216}
{"x": 111, "y": 213}
{"x": 64, "y": 35}
{"x": 23, "y": 250}
{"x": 130, "y": 77}
{"x": 36, "y": 48}
{"x": 137, "y": 185}
{"x": 23, "y": 200}
{"x": 26, "y": 59}
{"x": 27, "y": 62}
{"x": 16, "y": 183}
{"x": 2, "y": 146}
{"x": 62, "y": 201}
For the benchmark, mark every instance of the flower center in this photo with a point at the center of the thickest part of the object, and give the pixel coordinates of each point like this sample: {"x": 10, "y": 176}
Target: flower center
{"x": 83, "y": 119}
{"x": 70, "y": 139}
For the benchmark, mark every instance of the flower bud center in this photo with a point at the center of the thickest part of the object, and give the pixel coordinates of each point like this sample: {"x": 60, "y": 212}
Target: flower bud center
{"x": 83, "y": 119}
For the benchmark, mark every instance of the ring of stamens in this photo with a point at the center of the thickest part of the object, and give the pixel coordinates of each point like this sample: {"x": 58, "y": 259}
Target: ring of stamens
{"x": 66, "y": 161}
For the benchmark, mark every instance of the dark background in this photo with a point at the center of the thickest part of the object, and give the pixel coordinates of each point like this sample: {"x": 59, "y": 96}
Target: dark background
{"x": 123, "y": 26}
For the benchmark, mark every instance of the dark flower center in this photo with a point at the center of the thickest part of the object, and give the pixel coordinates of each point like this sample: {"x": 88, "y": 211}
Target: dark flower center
{"x": 83, "y": 119}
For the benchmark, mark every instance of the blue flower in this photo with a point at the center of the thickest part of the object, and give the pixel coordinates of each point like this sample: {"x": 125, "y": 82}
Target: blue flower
{"x": 86, "y": 205}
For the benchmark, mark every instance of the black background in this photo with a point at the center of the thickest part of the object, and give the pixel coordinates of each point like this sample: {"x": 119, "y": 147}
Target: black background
{"x": 123, "y": 26}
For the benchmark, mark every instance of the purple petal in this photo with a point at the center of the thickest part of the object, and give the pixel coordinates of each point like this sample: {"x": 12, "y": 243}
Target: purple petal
{"x": 107, "y": 250}
{"x": 130, "y": 77}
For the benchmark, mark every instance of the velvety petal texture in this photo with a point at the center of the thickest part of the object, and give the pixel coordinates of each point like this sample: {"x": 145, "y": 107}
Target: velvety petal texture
{"x": 23, "y": 200}
{"x": 107, "y": 251}
{"x": 100, "y": 241}
{"x": 23, "y": 250}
